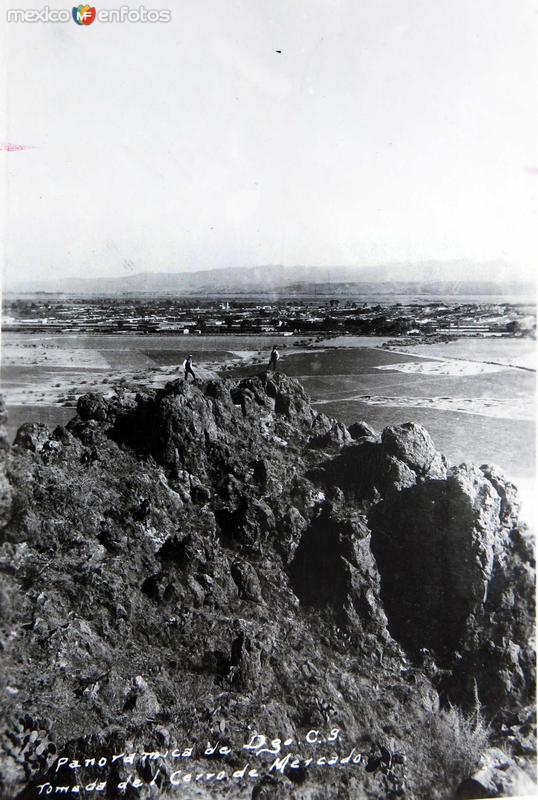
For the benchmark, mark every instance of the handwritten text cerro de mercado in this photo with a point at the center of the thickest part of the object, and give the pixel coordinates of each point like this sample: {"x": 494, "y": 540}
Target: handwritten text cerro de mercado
{"x": 276, "y": 752}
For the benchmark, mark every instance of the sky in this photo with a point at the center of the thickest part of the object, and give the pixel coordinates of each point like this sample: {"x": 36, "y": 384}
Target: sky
{"x": 383, "y": 131}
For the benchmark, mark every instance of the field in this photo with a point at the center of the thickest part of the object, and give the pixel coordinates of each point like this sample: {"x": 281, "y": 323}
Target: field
{"x": 476, "y": 407}
{"x": 54, "y": 370}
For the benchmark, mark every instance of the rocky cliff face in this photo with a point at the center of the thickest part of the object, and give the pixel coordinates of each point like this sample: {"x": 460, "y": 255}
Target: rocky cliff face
{"x": 201, "y": 561}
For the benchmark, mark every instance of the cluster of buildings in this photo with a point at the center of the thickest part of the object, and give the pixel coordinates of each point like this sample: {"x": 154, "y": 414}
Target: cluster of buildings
{"x": 170, "y": 315}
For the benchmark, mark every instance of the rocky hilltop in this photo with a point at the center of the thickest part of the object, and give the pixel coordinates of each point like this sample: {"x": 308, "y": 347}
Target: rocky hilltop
{"x": 209, "y": 563}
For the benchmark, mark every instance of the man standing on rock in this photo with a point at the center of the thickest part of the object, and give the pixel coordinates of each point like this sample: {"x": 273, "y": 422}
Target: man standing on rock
{"x": 188, "y": 368}
{"x": 275, "y": 355}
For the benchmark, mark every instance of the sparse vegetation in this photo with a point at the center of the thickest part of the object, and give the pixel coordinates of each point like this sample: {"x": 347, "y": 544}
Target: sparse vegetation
{"x": 445, "y": 751}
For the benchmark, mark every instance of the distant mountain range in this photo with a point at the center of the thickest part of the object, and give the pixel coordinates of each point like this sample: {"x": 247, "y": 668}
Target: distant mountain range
{"x": 436, "y": 277}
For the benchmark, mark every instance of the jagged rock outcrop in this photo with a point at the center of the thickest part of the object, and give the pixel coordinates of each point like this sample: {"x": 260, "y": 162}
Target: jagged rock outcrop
{"x": 374, "y": 466}
{"x": 33, "y": 436}
{"x": 333, "y": 566}
{"x": 6, "y": 493}
{"x": 457, "y": 579}
{"x": 178, "y": 565}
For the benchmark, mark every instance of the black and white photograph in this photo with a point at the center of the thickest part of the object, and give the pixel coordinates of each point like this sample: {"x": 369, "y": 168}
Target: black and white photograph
{"x": 268, "y": 399}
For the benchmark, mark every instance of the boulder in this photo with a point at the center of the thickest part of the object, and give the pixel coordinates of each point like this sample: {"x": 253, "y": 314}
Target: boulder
{"x": 32, "y": 436}
{"x": 291, "y": 525}
{"x": 361, "y": 430}
{"x": 92, "y": 406}
{"x": 510, "y": 505}
{"x": 450, "y": 576}
{"x": 497, "y": 776}
{"x": 6, "y": 498}
{"x": 412, "y": 444}
{"x": 245, "y": 663}
{"x": 337, "y": 436}
{"x": 434, "y": 544}
{"x": 4, "y": 441}
{"x": 371, "y": 467}
{"x": 398, "y": 475}
{"x": 6, "y": 492}
{"x": 141, "y": 702}
{"x": 247, "y": 581}
{"x": 332, "y": 567}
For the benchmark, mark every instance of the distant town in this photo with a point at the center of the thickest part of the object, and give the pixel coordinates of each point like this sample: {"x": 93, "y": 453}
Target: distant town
{"x": 199, "y": 317}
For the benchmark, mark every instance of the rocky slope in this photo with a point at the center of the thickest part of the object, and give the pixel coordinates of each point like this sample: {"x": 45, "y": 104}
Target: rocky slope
{"x": 205, "y": 563}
